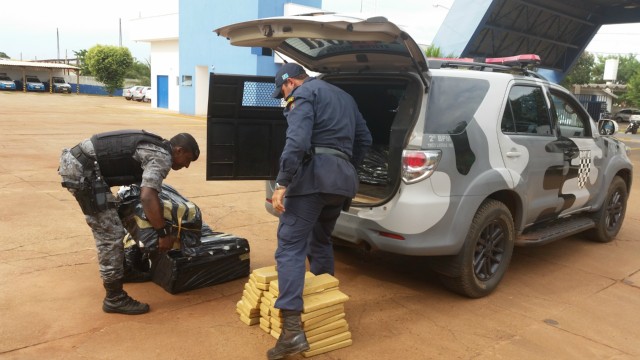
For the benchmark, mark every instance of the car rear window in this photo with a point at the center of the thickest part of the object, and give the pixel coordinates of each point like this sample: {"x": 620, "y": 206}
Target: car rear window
{"x": 452, "y": 104}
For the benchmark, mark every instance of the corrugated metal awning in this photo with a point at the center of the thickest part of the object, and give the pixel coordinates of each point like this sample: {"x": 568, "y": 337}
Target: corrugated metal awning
{"x": 33, "y": 64}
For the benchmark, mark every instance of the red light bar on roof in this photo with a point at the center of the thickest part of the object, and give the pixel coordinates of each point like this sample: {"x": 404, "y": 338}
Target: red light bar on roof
{"x": 525, "y": 59}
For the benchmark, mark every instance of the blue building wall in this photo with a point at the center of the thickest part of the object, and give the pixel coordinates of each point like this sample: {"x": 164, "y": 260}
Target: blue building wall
{"x": 460, "y": 25}
{"x": 200, "y": 46}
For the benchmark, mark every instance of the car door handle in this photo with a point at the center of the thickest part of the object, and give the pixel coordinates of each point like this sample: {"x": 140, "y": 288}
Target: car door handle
{"x": 513, "y": 154}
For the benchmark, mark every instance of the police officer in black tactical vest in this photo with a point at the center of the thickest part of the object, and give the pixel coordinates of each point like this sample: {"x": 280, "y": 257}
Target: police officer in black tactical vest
{"x": 123, "y": 157}
{"x": 327, "y": 139}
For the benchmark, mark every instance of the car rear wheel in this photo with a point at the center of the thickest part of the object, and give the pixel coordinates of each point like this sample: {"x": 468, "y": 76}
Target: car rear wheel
{"x": 483, "y": 260}
{"x": 611, "y": 215}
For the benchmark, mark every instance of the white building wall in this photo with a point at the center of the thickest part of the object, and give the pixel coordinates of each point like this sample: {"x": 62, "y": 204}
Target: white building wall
{"x": 164, "y": 61}
{"x": 162, "y": 33}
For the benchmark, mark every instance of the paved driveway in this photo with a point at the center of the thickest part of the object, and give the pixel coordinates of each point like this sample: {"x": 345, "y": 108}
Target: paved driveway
{"x": 572, "y": 299}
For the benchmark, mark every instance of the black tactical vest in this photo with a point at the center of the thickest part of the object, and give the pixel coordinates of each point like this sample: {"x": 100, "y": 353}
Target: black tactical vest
{"x": 115, "y": 150}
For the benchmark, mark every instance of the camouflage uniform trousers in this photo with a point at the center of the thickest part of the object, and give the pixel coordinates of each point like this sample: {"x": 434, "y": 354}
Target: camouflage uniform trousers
{"x": 107, "y": 228}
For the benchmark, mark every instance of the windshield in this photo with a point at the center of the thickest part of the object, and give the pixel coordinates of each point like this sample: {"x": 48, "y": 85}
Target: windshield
{"x": 58, "y": 81}
{"x": 5, "y": 78}
{"x": 32, "y": 79}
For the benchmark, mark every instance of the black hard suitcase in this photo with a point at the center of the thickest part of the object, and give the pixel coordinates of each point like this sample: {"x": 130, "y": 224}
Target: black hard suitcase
{"x": 219, "y": 258}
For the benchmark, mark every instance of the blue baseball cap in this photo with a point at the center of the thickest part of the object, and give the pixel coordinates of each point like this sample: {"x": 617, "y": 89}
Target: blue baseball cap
{"x": 287, "y": 70}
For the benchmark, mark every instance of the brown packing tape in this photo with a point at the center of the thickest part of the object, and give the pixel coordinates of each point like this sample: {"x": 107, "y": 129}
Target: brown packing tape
{"x": 257, "y": 293}
{"x": 312, "y": 284}
{"x": 249, "y": 321}
{"x": 327, "y": 334}
{"x": 326, "y": 349}
{"x": 258, "y": 285}
{"x": 318, "y": 319}
{"x": 265, "y": 309}
{"x": 311, "y": 315}
{"x": 250, "y": 313}
{"x": 253, "y": 301}
{"x": 247, "y": 302}
{"x": 330, "y": 340}
{"x": 323, "y": 322}
{"x": 269, "y": 296}
{"x": 328, "y": 327}
{"x": 265, "y": 329}
{"x": 275, "y": 322}
{"x": 266, "y": 274}
{"x": 324, "y": 299}
{"x": 264, "y": 322}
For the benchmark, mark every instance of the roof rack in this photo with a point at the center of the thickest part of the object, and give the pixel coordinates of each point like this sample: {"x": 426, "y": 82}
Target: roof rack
{"x": 518, "y": 63}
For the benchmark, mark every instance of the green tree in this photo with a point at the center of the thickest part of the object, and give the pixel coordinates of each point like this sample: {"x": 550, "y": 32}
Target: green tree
{"x": 109, "y": 64}
{"x": 141, "y": 72}
{"x": 580, "y": 74}
{"x": 433, "y": 51}
{"x": 4, "y": 56}
{"x": 631, "y": 97}
{"x": 81, "y": 58}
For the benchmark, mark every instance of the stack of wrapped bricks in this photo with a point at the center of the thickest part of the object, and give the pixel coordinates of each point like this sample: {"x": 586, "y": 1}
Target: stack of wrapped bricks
{"x": 323, "y": 317}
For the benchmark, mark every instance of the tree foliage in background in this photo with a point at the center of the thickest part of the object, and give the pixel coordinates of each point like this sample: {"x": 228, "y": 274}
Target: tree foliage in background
{"x": 628, "y": 66}
{"x": 631, "y": 98}
{"x": 141, "y": 72}
{"x": 109, "y": 64}
{"x": 4, "y": 56}
{"x": 590, "y": 70}
{"x": 433, "y": 51}
{"x": 581, "y": 72}
{"x": 81, "y": 58}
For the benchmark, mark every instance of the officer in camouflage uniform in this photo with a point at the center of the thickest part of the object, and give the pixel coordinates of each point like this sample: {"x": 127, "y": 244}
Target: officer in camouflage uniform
{"x": 123, "y": 157}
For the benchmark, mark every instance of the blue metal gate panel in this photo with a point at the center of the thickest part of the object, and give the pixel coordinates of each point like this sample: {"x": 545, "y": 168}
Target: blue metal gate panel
{"x": 163, "y": 91}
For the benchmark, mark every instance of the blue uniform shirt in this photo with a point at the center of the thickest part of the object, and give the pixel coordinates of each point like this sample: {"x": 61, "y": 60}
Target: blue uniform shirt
{"x": 322, "y": 115}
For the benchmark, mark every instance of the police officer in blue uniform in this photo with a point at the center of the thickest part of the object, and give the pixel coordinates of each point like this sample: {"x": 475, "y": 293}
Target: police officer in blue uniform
{"x": 327, "y": 139}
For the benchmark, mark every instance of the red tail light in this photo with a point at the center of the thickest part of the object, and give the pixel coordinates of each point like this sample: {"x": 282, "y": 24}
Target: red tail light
{"x": 418, "y": 165}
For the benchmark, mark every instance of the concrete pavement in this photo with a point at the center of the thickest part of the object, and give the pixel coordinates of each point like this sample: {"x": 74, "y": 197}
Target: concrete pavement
{"x": 572, "y": 299}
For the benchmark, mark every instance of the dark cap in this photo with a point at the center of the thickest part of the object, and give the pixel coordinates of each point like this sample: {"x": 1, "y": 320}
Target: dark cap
{"x": 185, "y": 140}
{"x": 287, "y": 70}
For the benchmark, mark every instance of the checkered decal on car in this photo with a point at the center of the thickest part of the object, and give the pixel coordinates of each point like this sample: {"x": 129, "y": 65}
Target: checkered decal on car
{"x": 584, "y": 167}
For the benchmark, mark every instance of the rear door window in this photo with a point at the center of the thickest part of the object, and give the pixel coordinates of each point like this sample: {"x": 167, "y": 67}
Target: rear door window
{"x": 452, "y": 104}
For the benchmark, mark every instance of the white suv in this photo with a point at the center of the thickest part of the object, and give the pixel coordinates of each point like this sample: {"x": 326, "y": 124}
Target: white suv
{"x": 469, "y": 159}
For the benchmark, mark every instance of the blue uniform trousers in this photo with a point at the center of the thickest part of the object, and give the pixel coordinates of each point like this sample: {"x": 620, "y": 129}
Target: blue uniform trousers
{"x": 304, "y": 232}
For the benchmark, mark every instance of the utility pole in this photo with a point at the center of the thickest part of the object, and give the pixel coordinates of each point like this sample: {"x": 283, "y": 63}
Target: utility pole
{"x": 58, "y": 43}
{"x": 120, "y": 31}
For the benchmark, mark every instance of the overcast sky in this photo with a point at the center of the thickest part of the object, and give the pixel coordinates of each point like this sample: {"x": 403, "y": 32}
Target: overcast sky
{"x": 28, "y": 27}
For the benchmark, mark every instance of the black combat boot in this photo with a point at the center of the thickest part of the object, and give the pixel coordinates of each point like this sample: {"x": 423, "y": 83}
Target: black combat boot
{"x": 118, "y": 301}
{"x": 292, "y": 339}
{"x": 133, "y": 272}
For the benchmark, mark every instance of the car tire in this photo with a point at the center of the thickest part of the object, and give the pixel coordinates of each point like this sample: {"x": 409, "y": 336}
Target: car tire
{"x": 619, "y": 119}
{"x": 611, "y": 215}
{"x": 484, "y": 258}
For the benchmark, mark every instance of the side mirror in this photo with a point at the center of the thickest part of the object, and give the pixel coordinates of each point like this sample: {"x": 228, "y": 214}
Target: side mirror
{"x": 607, "y": 127}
